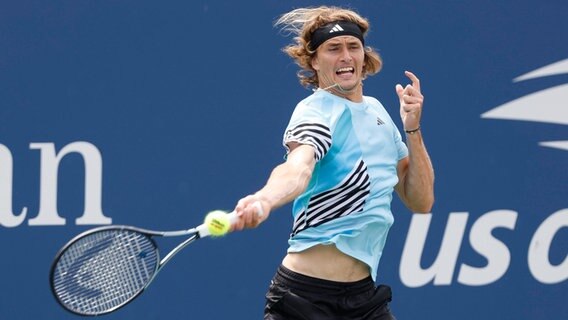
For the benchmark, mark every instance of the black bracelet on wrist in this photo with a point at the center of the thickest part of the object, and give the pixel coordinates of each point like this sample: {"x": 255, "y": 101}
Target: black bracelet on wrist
{"x": 412, "y": 131}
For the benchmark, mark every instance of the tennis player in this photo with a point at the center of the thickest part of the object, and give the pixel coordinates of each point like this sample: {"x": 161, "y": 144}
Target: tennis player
{"x": 345, "y": 156}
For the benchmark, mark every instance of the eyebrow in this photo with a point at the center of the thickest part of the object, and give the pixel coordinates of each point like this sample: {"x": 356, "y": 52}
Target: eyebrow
{"x": 338, "y": 43}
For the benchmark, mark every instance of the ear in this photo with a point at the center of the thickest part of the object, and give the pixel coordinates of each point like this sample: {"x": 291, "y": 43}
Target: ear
{"x": 315, "y": 63}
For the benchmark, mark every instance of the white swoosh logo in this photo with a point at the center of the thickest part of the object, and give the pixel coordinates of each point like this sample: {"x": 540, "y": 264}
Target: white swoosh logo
{"x": 549, "y": 105}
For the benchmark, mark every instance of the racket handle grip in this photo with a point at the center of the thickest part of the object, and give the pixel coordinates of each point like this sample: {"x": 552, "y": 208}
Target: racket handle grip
{"x": 260, "y": 212}
{"x": 204, "y": 231}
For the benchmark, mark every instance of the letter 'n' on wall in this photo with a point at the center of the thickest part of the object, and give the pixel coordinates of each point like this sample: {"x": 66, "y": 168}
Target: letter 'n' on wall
{"x": 50, "y": 160}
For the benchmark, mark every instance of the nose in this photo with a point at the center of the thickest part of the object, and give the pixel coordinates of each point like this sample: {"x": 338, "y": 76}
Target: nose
{"x": 346, "y": 55}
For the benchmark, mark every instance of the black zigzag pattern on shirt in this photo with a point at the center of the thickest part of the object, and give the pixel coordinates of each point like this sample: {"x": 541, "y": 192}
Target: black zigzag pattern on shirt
{"x": 348, "y": 197}
{"x": 314, "y": 134}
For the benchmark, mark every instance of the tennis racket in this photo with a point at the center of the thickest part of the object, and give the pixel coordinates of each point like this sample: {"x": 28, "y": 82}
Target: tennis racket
{"x": 105, "y": 268}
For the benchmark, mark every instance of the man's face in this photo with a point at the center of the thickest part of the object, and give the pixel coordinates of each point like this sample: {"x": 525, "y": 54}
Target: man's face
{"x": 340, "y": 60}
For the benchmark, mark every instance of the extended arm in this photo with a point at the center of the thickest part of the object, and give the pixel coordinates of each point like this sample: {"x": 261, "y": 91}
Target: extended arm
{"x": 287, "y": 181}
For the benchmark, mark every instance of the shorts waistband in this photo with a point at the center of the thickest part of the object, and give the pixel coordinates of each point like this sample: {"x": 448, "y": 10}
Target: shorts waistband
{"x": 302, "y": 282}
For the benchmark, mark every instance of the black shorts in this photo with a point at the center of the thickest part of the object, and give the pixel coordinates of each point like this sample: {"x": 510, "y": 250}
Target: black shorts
{"x": 293, "y": 296}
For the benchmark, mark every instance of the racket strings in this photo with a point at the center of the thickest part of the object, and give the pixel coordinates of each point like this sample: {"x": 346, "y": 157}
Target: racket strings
{"x": 104, "y": 270}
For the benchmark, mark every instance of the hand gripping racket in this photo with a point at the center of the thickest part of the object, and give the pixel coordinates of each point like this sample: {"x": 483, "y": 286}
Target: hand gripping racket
{"x": 105, "y": 268}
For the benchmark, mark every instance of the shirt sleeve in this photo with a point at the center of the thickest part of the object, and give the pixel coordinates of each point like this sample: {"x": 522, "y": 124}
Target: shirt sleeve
{"x": 309, "y": 126}
{"x": 401, "y": 147}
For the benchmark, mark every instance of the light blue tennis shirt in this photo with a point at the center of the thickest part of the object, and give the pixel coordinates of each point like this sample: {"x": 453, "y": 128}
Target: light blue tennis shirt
{"x": 347, "y": 201}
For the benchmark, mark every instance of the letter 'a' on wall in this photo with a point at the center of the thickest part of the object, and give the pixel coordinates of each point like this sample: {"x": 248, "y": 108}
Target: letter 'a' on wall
{"x": 7, "y": 217}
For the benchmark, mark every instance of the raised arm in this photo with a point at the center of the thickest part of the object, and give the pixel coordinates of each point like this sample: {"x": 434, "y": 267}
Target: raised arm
{"x": 415, "y": 172}
{"x": 287, "y": 181}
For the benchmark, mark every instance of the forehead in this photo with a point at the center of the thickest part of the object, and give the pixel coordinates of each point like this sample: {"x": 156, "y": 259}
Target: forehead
{"x": 341, "y": 40}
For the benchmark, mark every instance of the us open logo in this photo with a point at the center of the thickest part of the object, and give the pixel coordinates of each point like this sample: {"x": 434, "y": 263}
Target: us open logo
{"x": 547, "y": 106}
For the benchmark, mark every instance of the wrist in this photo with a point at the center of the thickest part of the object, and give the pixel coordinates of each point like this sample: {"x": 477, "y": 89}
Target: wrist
{"x": 264, "y": 199}
{"x": 413, "y": 131}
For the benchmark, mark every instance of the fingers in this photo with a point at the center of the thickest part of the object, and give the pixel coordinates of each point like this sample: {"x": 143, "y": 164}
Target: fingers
{"x": 410, "y": 90}
{"x": 414, "y": 79}
{"x": 411, "y": 101}
{"x": 250, "y": 213}
{"x": 399, "y": 91}
{"x": 409, "y": 96}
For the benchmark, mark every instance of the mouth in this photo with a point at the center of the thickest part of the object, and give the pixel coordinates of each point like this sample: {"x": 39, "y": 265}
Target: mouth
{"x": 345, "y": 71}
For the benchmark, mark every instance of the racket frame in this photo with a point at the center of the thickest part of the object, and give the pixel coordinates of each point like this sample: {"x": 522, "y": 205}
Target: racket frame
{"x": 193, "y": 233}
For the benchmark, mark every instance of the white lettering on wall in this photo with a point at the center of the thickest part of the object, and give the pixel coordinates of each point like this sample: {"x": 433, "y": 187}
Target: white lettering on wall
{"x": 496, "y": 252}
{"x": 485, "y": 244}
{"x": 49, "y": 169}
{"x": 539, "y": 248}
{"x": 48, "y": 214}
{"x": 442, "y": 270}
{"x": 7, "y": 217}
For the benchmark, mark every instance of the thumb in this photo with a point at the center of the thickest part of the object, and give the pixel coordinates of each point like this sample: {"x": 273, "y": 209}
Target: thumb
{"x": 399, "y": 91}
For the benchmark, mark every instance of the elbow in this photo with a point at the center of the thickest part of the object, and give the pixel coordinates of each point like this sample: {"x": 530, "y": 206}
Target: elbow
{"x": 423, "y": 209}
{"x": 305, "y": 176}
{"x": 424, "y": 206}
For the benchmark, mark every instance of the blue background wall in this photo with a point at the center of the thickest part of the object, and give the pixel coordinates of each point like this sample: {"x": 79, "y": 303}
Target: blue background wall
{"x": 186, "y": 102}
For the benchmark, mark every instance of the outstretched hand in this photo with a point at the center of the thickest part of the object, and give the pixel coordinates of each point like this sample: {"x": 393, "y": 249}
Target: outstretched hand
{"x": 250, "y": 212}
{"x": 411, "y": 101}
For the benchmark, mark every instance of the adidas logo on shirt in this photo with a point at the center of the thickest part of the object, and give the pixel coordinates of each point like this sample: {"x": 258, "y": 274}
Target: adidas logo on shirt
{"x": 336, "y": 28}
{"x": 379, "y": 121}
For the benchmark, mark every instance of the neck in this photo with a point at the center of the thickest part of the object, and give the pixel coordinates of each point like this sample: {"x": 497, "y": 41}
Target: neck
{"x": 354, "y": 94}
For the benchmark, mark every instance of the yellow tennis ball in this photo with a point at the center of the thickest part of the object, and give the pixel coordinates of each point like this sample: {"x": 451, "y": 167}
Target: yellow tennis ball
{"x": 218, "y": 223}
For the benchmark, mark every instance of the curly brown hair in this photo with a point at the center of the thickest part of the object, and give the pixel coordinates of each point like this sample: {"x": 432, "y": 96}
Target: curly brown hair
{"x": 303, "y": 22}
